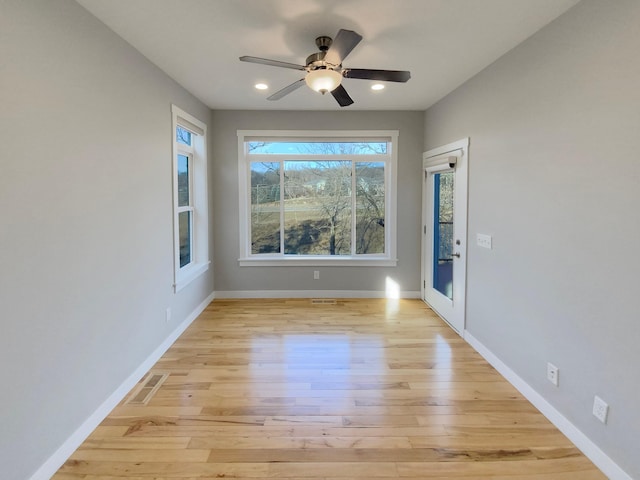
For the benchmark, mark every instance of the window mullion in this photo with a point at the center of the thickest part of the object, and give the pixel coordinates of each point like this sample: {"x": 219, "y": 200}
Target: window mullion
{"x": 192, "y": 235}
{"x": 281, "y": 168}
{"x": 353, "y": 208}
{"x": 190, "y": 169}
{"x": 184, "y": 149}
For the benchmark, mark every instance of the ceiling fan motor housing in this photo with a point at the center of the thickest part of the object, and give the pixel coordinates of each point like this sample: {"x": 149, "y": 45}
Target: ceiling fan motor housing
{"x": 316, "y": 61}
{"x": 324, "y": 43}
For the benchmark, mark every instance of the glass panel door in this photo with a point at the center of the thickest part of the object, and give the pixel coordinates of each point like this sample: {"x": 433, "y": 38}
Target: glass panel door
{"x": 444, "y": 213}
{"x": 443, "y": 193}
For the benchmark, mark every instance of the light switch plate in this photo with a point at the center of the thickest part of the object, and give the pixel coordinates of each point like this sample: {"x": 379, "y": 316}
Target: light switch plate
{"x": 483, "y": 240}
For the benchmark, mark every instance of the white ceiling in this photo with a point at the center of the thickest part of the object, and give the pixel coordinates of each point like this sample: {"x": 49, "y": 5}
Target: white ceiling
{"x": 442, "y": 42}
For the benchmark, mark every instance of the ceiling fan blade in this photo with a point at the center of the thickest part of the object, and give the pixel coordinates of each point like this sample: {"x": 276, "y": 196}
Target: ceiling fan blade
{"x": 341, "y": 96}
{"x": 345, "y": 41}
{"x": 381, "y": 75}
{"x": 273, "y": 63}
{"x": 286, "y": 90}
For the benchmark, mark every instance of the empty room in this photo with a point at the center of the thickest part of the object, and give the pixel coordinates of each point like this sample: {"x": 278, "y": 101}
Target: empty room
{"x": 319, "y": 239}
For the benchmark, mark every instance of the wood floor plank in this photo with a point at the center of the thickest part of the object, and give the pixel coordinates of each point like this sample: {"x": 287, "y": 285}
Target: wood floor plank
{"x": 128, "y": 469}
{"x": 177, "y": 455}
{"x": 281, "y": 388}
{"x": 103, "y": 431}
{"x": 301, "y": 443}
{"x": 535, "y": 468}
{"x": 330, "y": 469}
{"x": 69, "y": 476}
{"x": 215, "y": 431}
{"x": 371, "y": 455}
{"x": 150, "y": 410}
{"x": 138, "y": 443}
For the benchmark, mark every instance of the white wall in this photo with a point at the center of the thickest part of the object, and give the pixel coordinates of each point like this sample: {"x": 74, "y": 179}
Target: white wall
{"x": 555, "y": 178}
{"x": 230, "y": 277}
{"x": 85, "y": 222}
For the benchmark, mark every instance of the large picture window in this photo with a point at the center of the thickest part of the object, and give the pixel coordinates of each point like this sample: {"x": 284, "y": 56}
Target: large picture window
{"x": 317, "y": 198}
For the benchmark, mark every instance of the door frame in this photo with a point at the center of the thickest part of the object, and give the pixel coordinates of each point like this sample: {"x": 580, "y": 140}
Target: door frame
{"x": 434, "y": 161}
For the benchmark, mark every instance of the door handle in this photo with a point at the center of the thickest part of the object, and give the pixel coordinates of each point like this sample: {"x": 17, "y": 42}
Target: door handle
{"x": 455, "y": 254}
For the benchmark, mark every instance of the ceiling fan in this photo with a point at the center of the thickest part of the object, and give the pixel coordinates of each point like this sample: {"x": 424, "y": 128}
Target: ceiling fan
{"x": 325, "y": 71}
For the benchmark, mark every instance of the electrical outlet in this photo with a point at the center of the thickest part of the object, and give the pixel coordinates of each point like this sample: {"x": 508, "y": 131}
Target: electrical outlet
{"x": 553, "y": 374}
{"x": 316, "y": 274}
{"x": 483, "y": 240}
{"x": 600, "y": 409}
{"x": 167, "y": 317}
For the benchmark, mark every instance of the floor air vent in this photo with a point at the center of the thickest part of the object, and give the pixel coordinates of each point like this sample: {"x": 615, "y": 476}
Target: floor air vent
{"x": 323, "y": 301}
{"x": 147, "y": 389}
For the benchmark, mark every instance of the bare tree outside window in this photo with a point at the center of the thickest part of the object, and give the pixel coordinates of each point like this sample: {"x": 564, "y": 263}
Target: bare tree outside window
{"x": 183, "y": 136}
{"x": 317, "y": 208}
{"x": 370, "y": 211}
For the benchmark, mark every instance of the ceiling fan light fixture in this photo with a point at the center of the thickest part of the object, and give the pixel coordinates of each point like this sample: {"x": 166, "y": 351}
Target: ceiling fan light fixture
{"x": 261, "y": 86}
{"x": 323, "y": 80}
{"x": 324, "y": 71}
{"x": 377, "y": 86}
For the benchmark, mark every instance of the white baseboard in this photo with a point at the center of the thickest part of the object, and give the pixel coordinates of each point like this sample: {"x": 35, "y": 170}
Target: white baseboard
{"x": 311, "y": 294}
{"x": 51, "y": 466}
{"x": 590, "y": 449}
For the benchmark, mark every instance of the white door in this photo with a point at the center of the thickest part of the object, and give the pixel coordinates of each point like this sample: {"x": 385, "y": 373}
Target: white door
{"x": 444, "y": 245}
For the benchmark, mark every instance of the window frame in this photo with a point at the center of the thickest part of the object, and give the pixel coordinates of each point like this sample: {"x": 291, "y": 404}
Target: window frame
{"x": 247, "y": 258}
{"x": 196, "y": 154}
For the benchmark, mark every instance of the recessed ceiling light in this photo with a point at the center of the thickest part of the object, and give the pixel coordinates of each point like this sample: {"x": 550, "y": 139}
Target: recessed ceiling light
{"x": 377, "y": 86}
{"x": 261, "y": 86}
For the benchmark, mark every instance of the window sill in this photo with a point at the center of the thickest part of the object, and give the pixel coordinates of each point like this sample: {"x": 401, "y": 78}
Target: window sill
{"x": 190, "y": 274}
{"x": 327, "y": 261}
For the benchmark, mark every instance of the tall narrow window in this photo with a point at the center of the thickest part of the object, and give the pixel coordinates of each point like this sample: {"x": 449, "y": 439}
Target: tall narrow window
{"x": 317, "y": 198}
{"x": 191, "y": 257}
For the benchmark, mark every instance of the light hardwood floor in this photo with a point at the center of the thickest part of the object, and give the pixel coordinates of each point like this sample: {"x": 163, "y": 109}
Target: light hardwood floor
{"x": 361, "y": 389}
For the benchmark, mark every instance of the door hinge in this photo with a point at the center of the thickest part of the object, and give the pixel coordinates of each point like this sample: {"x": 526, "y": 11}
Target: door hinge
{"x": 425, "y": 229}
{"x": 424, "y": 284}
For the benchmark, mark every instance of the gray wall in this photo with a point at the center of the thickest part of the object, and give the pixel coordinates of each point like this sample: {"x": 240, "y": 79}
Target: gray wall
{"x": 554, "y": 177}
{"x": 86, "y": 222}
{"x": 229, "y": 276}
